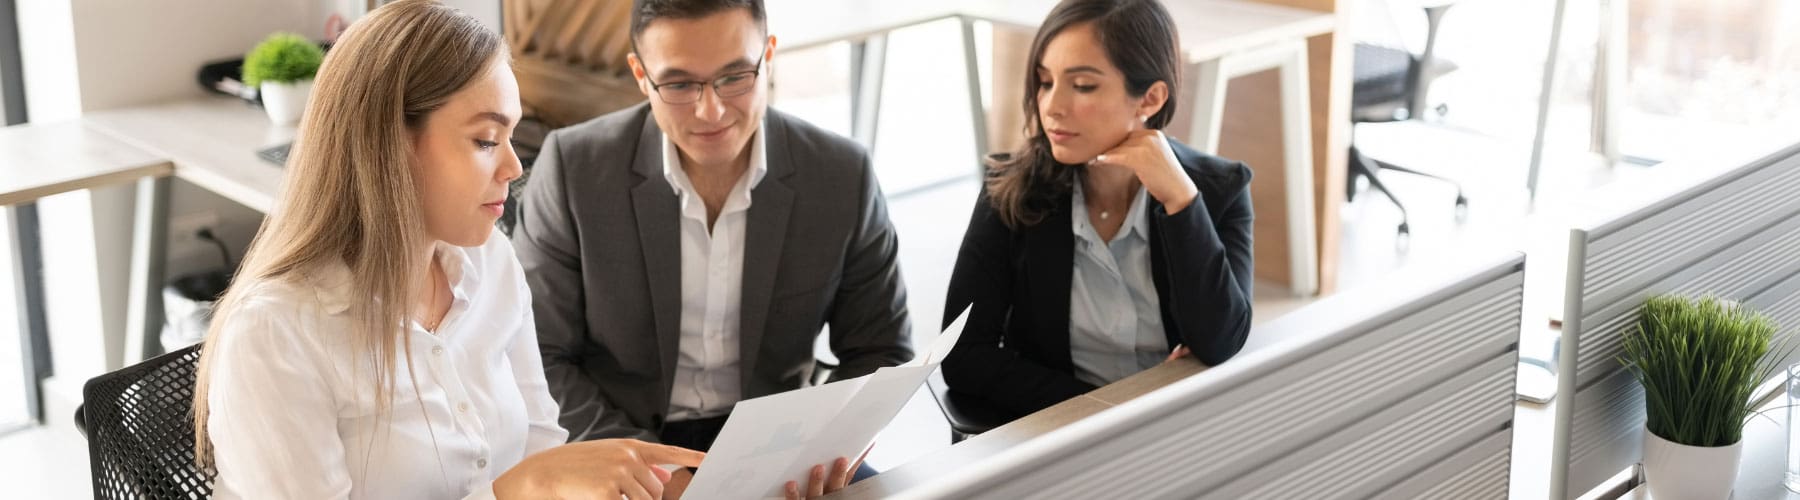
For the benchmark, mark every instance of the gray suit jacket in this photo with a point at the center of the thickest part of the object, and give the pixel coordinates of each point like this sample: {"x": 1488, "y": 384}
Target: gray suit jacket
{"x": 599, "y": 242}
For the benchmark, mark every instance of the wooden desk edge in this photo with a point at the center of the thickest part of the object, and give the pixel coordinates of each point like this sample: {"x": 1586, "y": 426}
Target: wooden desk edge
{"x": 204, "y": 176}
{"x": 159, "y": 168}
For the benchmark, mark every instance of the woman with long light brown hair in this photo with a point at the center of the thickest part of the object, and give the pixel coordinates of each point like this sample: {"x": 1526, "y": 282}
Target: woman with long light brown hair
{"x": 379, "y": 342}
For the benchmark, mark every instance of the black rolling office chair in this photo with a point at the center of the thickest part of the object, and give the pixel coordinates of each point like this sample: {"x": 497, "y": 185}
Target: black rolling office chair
{"x": 966, "y": 415}
{"x": 139, "y": 423}
{"x": 1390, "y": 85}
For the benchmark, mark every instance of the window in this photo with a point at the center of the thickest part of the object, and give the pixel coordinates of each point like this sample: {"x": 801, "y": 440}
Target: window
{"x": 23, "y": 338}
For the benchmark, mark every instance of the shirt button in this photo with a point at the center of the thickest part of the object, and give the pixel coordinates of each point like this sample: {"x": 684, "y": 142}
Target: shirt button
{"x": 462, "y": 407}
{"x": 437, "y": 351}
{"x": 481, "y": 463}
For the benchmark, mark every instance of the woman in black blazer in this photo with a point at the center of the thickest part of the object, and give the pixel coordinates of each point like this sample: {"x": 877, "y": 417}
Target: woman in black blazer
{"x": 1068, "y": 290}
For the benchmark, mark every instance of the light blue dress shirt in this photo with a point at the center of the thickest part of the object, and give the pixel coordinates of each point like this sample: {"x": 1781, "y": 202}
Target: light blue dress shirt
{"x": 1115, "y": 315}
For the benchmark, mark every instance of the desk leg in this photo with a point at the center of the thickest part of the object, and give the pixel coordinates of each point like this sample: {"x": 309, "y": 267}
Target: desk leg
{"x": 977, "y": 112}
{"x": 1209, "y": 105}
{"x": 1289, "y": 58}
{"x": 149, "y": 253}
{"x": 1610, "y": 92}
{"x": 1544, "y": 89}
{"x": 1296, "y": 131}
{"x": 868, "y": 65}
{"x": 28, "y": 287}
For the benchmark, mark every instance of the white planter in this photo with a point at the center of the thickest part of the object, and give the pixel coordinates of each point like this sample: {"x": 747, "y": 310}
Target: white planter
{"x": 285, "y": 101}
{"x": 1677, "y": 471}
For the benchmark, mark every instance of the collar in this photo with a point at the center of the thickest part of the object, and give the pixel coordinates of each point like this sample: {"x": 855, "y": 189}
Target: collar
{"x": 333, "y": 282}
{"x": 681, "y": 184}
{"x": 1136, "y": 222}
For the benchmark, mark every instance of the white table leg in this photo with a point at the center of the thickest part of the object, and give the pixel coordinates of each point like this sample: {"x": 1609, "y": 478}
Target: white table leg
{"x": 1296, "y": 132}
{"x": 149, "y": 252}
{"x": 1610, "y": 98}
{"x": 865, "y": 107}
{"x": 977, "y": 112}
{"x": 1209, "y": 105}
{"x": 1544, "y": 88}
{"x": 1289, "y": 57}
{"x": 27, "y": 270}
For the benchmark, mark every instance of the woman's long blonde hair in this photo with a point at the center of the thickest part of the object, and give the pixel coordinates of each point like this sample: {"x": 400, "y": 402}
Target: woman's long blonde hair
{"x": 350, "y": 195}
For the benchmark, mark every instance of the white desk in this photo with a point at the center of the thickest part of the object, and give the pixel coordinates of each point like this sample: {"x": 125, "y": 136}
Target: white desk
{"x": 48, "y": 159}
{"x": 212, "y": 142}
{"x": 40, "y": 160}
{"x": 209, "y": 141}
{"x": 1226, "y": 38}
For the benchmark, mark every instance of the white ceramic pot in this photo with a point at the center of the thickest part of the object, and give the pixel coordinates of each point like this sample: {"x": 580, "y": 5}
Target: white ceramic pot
{"x": 1677, "y": 471}
{"x": 285, "y": 101}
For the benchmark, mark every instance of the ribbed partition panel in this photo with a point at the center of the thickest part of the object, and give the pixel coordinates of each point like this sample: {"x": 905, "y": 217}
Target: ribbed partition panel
{"x": 1369, "y": 400}
{"x": 1734, "y": 234}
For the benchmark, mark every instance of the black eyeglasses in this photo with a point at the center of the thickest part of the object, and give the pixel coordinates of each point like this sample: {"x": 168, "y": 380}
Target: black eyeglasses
{"x": 689, "y": 91}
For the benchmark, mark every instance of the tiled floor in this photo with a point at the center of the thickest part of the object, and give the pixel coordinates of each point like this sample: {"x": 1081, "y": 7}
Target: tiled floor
{"x": 45, "y": 463}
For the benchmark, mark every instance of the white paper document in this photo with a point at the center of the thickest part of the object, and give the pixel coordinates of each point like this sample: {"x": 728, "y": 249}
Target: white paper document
{"x": 774, "y": 439}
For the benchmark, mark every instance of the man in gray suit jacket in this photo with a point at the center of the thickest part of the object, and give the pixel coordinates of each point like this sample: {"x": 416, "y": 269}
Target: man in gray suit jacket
{"x": 684, "y": 254}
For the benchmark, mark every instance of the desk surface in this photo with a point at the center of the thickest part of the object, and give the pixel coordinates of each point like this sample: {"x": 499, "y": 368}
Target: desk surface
{"x": 42, "y": 160}
{"x": 1209, "y": 28}
{"x": 212, "y": 142}
{"x": 936, "y": 465}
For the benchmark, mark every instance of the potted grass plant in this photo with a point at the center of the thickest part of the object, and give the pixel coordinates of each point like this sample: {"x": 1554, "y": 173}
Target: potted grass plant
{"x": 282, "y": 69}
{"x": 1699, "y": 361}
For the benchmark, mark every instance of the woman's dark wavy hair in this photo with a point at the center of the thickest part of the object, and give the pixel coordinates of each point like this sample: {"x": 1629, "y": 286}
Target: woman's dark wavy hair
{"x": 1139, "y": 38}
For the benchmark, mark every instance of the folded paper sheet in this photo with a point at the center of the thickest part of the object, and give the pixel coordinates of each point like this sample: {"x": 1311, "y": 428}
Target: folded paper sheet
{"x": 774, "y": 439}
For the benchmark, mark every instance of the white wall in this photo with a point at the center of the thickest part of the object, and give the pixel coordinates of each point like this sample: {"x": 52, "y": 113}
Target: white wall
{"x": 47, "y": 53}
{"x": 133, "y": 52}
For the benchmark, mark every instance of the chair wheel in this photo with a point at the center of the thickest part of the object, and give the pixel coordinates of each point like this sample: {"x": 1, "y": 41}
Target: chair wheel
{"x": 1462, "y": 208}
{"x": 1403, "y": 240}
{"x": 1442, "y": 109}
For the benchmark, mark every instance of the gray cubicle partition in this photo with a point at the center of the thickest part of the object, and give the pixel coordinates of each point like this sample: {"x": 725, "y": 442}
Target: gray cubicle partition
{"x": 1728, "y": 227}
{"x": 1403, "y": 390}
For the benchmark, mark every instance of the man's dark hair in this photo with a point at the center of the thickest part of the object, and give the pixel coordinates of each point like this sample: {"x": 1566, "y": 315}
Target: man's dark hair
{"x": 645, "y": 11}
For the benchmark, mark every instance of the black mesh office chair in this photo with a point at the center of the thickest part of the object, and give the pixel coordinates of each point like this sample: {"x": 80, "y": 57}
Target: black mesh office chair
{"x": 966, "y": 415}
{"x": 1390, "y": 85}
{"x": 139, "y": 423}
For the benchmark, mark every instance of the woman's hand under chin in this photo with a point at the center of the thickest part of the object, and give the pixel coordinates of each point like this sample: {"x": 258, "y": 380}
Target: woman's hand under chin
{"x": 1146, "y": 152}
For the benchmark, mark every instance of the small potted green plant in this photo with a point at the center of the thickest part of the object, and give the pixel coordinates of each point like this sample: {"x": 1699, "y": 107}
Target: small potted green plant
{"x": 1699, "y": 362}
{"x": 282, "y": 69}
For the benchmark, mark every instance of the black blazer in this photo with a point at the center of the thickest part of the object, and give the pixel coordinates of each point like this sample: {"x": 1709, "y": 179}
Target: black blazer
{"x": 1014, "y": 352}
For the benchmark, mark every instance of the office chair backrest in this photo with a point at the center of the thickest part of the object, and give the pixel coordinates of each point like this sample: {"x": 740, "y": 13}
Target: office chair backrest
{"x": 1725, "y": 228}
{"x": 140, "y": 431}
{"x": 1390, "y": 81}
{"x": 1403, "y": 390}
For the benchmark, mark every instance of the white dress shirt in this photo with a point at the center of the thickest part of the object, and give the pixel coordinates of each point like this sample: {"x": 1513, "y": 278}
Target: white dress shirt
{"x": 1115, "y": 315}
{"x": 292, "y": 408}
{"x": 707, "y": 381}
